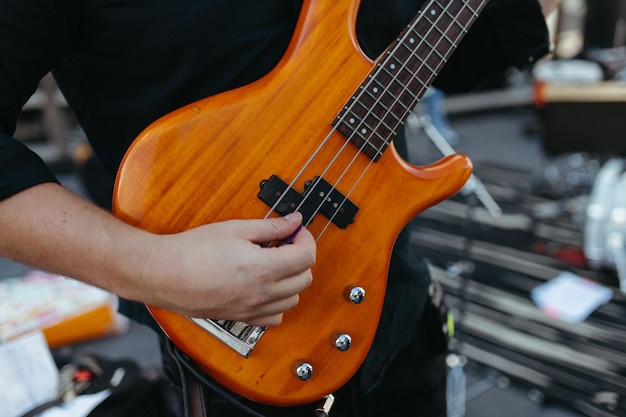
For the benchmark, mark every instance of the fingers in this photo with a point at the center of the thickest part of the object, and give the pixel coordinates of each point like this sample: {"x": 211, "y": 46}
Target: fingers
{"x": 290, "y": 265}
{"x": 298, "y": 251}
{"x": 292, "y": 285}
{"x": 286, "y": 259}
{"x": 231, "y": 275}
{"x": 269, "y": 321}
{"x": 272, "y": 314}
{"x": 285, "y": 228}
{"x": 270, "y": 299}
{"x": 268, "y": 314}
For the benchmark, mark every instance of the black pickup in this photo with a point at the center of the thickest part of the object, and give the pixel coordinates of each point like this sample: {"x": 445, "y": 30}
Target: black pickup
{"x": 318, "y": 197}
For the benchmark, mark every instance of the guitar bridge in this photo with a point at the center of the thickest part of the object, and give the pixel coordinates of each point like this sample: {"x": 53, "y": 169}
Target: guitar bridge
{"x": 239, "y": 336}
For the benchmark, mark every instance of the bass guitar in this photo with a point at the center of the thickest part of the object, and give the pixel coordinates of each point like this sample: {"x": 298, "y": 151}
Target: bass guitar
{"x": 312, "y": 135}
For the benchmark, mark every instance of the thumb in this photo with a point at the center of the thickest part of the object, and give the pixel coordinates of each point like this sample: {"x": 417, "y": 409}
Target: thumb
{"x": 278, "y": 228}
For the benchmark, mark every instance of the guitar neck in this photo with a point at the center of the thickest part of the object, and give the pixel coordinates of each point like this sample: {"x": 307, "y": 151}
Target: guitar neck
{"x": 403, "y": 73}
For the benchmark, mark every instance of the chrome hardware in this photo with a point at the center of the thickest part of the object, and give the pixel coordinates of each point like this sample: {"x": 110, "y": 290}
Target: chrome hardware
{"x": 303, "y": 370}
{"x": 237, "y": 335}
{"x": 342, "y": 341}
{"x": 355, "y": 295}
{"x": 323, "y": 408}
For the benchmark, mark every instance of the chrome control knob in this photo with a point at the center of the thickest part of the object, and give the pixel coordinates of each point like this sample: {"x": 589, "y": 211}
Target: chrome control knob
{"x": 355, "y": 295}
{"x": 303, "y": 370}
{"x": 342, "y": 341}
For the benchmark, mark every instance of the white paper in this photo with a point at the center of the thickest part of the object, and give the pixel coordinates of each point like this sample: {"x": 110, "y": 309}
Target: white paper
{"x": 80, "y": 406}
{"x": 569, "y": 297}
{"x": 28, "y": 376}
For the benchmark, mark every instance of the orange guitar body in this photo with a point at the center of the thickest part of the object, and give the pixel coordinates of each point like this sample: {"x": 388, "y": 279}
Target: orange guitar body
{"x": 204, "y": 162}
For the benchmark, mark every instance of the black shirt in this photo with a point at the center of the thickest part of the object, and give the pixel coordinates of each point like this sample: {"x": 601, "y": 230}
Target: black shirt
{"x": 121, "y": 64}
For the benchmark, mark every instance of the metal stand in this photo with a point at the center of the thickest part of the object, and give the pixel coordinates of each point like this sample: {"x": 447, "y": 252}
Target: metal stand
{"x": 473, "y": 185}
{"x": 474, "y": 190}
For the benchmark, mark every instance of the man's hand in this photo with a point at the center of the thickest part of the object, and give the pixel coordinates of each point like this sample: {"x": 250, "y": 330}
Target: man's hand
{"x": 223, "y": 270}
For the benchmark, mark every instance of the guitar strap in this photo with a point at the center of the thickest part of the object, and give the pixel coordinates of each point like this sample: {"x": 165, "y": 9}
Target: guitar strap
{"x": 194, "y": 395}
{"x": 194, "y": 384}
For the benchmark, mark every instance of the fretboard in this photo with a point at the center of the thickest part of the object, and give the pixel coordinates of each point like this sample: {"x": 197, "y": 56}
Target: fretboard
{"x": 399, "y": 79}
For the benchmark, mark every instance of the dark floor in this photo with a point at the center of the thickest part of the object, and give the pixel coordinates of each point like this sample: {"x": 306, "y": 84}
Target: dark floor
{"x": 487, "y": 137}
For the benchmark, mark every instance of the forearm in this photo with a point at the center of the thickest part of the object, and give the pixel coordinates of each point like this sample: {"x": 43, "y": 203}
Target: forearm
{"x": 50, "y": 228}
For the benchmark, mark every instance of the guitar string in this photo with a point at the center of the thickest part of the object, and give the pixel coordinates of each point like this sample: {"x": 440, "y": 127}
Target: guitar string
{"x": 341, "y": 119}
{"x": 425, "y": 84}
{"x": 364, "y": 90}
{"x": 385, "y": 142}
{"x": 424, "y": 64}
{"x": 311, "y": 158}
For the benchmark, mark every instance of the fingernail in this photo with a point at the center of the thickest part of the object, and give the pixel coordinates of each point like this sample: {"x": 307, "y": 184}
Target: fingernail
{"x": 290, "y": 216}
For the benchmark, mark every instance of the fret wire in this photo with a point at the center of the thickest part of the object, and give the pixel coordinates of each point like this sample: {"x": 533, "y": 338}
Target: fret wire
{"x": 371, "y": 129}
{"x": 421, "y": 41}
{"x": 453, "y": 45}
{"x": 404, "y": 85}
{"x": 379, "y": 101}
{"x": 365, "y": 124}
{"x": 424, "y": 62}
{"x": 441, "y": 32}
{"x": 442, "y": 62}
{"x": 395, "y": 78}
{"x": 455, "y": 20}
{"x": 441, "y": 56}
{"x": 371, "y": 113}
{"x": 395, "y": 101}
{"x": 390, "y": 113}
{"x": 474, "y": 12}
{"x": 414, "y": 76}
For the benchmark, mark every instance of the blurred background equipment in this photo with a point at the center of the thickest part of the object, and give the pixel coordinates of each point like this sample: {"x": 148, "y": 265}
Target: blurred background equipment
{"x": 579, "y": 111}
{"x": 605, "y": 225}
{"x": 605, "y": 24}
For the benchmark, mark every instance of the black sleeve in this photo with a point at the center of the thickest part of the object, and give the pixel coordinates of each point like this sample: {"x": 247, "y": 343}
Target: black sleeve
{"x": 509, "y": 33}
{"x": 33, "y": 35}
